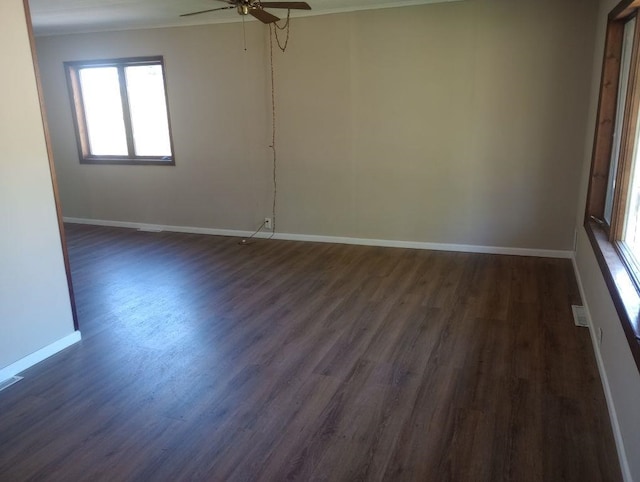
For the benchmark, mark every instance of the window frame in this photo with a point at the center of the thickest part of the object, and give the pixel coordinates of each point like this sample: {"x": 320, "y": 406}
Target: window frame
{"x": 619, "y": 268}
{"x": 72, "y": 69}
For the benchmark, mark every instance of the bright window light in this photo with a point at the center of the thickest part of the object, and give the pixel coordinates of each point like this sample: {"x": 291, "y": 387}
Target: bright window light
{"x": 145, "y": 86}
{"x": 120, "y": 111}
{"x": 103, "y": 111}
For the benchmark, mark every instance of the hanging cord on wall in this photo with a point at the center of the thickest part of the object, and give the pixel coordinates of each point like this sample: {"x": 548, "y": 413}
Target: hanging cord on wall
{"x": 273, "y": 32}
{"x": 273, "y": 133}
{"x": 287, "y": 27}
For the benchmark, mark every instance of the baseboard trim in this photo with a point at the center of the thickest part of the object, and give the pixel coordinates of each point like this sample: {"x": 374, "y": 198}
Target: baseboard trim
{"x": 613, "y": 416}
{"x": 464, "y": 248}
{"x": 40, "y": 355}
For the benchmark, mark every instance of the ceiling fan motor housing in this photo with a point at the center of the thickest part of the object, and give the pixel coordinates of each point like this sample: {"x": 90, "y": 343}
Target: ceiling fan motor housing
{"x": 245, "y": 6}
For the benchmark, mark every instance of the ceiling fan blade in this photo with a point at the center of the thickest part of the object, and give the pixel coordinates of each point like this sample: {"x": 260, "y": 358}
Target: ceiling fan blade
{"x": 264, "y": 17}
{"x": 205, "y": 11}
{"x": 287, "y": 5}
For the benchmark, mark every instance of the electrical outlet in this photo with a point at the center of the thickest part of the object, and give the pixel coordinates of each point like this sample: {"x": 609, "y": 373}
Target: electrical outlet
{"x": 267, "y": 223}
{"x": 599, "y": 336}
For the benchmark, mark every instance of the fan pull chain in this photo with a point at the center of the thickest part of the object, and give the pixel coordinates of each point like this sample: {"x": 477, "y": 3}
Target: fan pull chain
{"x": 244, "y": 34}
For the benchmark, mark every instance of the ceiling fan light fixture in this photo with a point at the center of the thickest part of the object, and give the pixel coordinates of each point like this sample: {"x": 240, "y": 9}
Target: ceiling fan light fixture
{"x": 256, "y": 8}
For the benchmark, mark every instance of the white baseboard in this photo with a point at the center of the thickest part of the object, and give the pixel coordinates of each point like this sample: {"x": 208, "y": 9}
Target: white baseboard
{"x": 36, "y": 357}
{"x": 465, "y": 248}
{"x": 617, "y": 434}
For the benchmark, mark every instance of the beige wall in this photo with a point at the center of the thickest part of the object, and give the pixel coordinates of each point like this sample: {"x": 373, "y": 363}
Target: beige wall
{"x": 34, "y": 302}
{"x": 621, "y": 373}
{"x": 453, "y": 123}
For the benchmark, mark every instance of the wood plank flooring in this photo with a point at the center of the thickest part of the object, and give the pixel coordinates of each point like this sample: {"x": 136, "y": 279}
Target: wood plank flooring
{"x": 205, "y": 360}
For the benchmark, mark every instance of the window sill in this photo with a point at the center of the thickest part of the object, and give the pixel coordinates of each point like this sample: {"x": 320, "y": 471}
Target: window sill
{"x": 624, "y": 294}
{"x": 154, "y": 161}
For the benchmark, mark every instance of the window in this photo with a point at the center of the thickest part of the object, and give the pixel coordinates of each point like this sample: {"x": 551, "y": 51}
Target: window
{"x": 120, "y": 111}
{"x": 612, "y": 218}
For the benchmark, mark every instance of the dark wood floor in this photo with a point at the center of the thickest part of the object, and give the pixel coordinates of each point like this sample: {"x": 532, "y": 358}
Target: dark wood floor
{"x": 205, "y": 360}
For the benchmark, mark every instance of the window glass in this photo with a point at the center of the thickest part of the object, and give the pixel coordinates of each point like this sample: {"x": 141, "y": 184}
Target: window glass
{"x": 120, "y": 111}
{"x": 631, "y": 232}
{"x": 625, "y": 64}
{"x": 147, "y": 105}
{"x": 103, "y": 111}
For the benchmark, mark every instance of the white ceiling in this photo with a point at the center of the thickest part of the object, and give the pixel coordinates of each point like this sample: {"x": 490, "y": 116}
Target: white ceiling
{"x": 53, "y": 17}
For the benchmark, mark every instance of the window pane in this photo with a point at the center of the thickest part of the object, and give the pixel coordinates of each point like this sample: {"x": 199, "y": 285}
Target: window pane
{"x": 103, "y": 111}
{"x": 147, "y": 103}
{"x": 631, "y": 232}
{"x": 625, "y": 65}
{"x": 627, "y": 44}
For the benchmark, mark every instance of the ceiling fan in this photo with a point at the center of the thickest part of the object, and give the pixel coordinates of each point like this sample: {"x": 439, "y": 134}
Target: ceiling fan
{"x": 256, "y": 8}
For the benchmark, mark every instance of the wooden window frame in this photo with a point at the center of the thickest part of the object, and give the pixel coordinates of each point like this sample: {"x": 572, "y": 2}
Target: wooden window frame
{"x": 619, "y": 269}
{"x": 72, "y": 69}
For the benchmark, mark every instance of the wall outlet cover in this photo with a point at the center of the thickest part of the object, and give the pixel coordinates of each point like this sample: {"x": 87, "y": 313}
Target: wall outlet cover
{"x": 579, "y": 315}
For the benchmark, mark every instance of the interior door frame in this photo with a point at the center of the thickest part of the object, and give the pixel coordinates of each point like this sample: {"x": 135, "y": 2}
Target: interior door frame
{"x": 52, "y": 169}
